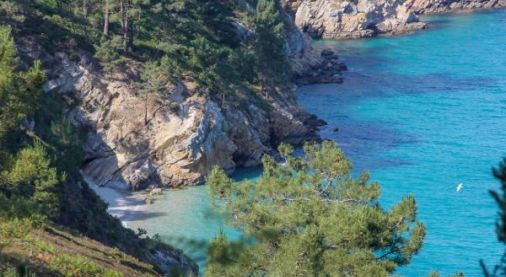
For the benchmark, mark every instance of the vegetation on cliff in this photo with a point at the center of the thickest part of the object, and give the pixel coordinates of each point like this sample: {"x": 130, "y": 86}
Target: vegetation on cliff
{"x": 305, "y": 216}
{"x": 308, "y": 217}
{"x": 500, "y": 198}
{"x": 42, "y": 195}
{"x": 223, "y": 46}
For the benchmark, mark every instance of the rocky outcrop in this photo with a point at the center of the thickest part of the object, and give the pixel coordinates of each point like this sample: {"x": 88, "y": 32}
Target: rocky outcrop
{"x": 135, "y": 141}
{"x": 444, "y": 6}
{"x": 308, "y": 65}
{"x": 327, "y": 68}
{"x": 171, "y": 261}
{"x": 337, "y": 19}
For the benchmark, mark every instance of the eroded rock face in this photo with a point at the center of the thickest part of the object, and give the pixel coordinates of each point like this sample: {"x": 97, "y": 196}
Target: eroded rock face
{"x": 444, "y": 6}
{"x": 337, "y": 19}
{"x": 135, "y": 141}
{"x": 308, "y": 65}
{"x": 328, "y": 71}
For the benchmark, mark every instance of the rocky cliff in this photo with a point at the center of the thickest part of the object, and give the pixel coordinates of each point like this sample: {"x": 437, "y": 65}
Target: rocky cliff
{"x": 444, "y": 6}
{"x": 308, "y": 65}
{"x": 135, "y": 141}
{"x": 338, "y": 19}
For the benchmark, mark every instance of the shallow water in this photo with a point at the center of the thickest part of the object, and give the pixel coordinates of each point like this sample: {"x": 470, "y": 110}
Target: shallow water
{"x": 422, "y": 113}
{"x": 186, "y": 219}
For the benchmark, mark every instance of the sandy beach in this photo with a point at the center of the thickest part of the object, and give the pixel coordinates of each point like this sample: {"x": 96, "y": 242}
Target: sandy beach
{"x": 122, "y": 204}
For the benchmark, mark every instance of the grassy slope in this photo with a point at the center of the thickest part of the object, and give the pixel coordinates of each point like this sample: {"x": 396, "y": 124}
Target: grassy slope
{"x": 52, "y": 251}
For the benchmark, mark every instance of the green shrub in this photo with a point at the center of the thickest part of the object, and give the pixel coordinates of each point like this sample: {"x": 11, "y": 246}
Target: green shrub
{"x": 109, "y": 54}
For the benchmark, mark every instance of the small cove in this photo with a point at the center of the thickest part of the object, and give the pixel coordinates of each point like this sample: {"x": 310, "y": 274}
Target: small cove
{"x": 423, "y": 113}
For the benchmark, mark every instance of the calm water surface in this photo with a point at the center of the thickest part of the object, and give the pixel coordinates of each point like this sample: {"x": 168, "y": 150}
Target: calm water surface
{"x": 422, "y": 113}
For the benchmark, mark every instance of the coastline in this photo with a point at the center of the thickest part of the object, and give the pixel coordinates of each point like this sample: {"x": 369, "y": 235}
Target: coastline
{"x": 121, "y": 204}
{"x": 119, "y": 194}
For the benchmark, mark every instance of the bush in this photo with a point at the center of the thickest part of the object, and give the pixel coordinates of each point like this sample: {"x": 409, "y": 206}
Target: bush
{"x": 109, "y": 54}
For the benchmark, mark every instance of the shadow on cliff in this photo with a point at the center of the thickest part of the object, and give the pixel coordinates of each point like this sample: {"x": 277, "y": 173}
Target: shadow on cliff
{"x": 122, "y": 205}
{"x": 101, "y": 168}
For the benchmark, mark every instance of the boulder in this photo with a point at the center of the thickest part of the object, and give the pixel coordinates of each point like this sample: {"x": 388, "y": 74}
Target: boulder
{"x": 155, "y": 191}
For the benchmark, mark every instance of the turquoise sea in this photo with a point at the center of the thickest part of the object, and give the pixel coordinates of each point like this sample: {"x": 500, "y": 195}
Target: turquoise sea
{"x": 422, "y": 113}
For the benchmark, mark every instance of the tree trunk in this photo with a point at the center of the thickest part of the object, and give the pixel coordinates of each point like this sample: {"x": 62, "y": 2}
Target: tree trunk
{"x": 85, "y": 8}
{"x": 146, "y": 100}
{"x": 106, "y": 17}
{"x": 129, "y": 35}
{"x": 126, "y": 23}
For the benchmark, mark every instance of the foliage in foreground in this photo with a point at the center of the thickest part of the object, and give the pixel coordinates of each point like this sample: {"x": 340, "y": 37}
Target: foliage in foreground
{"x": 31, "y": 185}
{"x": 25, "y": 173}
{"x": 500, "y": 198}
{"x": 309, "y": 217}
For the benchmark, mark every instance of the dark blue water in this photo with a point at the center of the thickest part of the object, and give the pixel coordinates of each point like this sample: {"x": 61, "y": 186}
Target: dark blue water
{"x": 422, "y": 113}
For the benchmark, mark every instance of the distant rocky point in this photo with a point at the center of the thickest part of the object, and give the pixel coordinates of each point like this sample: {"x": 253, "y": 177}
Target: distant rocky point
{"x": 352, "y": 20}
{"x": 445, "y": 6}
{"x": 336, "y": 19}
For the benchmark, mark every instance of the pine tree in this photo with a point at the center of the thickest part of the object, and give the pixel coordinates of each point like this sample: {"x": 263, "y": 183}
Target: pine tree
{"x": 309, "y": 217}
{"x": 107, "y": 7}
{"x": 27, "y": 173}
{"x": 271, "y": 63}
{"x": 19, "y": 91}
{"x": 32, "y": 177}
{"x": 156, "y": 77}
{"x": 500, "y": 198}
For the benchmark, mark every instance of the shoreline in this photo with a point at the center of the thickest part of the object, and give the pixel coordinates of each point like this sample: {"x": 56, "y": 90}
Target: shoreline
{"x": 446, "y": 10}
{"x": 121, "y": 204}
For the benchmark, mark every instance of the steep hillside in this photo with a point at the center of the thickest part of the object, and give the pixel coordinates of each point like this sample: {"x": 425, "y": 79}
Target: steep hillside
{"x": 52, "y": 251}
{"x": 131, "y": 94}
{"x": 165, "y": 104}
{"x": 42, "y": 196}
